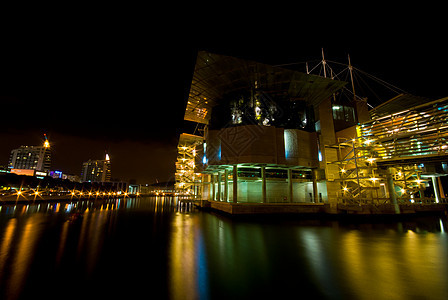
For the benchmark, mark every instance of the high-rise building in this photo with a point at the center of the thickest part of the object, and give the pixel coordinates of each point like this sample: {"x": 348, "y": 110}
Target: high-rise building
{"x": 31, "y": 157}
{"x": 96, "y": 170}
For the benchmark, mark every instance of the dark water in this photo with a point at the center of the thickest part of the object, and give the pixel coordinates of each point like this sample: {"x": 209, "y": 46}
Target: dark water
{"x": 151, "y": 248}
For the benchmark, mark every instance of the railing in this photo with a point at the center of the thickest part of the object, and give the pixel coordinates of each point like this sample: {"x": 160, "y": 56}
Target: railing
{"x": 380, "y": 201}
{"x": 416, "y": 133}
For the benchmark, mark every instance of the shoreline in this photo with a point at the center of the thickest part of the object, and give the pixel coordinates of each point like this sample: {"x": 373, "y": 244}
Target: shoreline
{"x": 22, "y": 200}
{"x": 244, "y": 210}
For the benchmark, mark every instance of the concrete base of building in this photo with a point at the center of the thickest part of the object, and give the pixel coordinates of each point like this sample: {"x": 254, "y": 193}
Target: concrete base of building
{"x": 268, "y": 208}
{"x": 320, "y": 208}
{"x": 389, "y": 209}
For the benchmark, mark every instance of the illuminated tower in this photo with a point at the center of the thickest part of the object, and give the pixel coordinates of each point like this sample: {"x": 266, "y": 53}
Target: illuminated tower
{"x": 107, "y": 167}
{"x": 46, "y": 159}
{"x": 96, "y": 170}
{"x": 187, "y": 180}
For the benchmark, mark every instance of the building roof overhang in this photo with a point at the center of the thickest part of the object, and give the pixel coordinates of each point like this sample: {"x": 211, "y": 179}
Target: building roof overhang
{"x": 216, "y": 76}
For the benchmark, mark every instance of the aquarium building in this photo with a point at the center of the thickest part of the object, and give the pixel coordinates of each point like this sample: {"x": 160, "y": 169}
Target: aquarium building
{"x": 256, "y": 133}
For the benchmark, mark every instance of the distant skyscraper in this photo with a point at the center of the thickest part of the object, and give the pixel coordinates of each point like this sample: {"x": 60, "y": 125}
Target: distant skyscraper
{"x": 96, "y": 170}
{"x": 31, "y": 157}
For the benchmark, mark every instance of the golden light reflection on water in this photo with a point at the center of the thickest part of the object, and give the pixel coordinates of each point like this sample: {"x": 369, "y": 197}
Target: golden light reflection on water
{"x": 62, "y": 243}
{"x": 207, "y": 255}
{"x": 28, "y": 239}
{"x": 182, "y": 257}
{"x": 364, "y": 263}
{"x": 394, "y": 266}
{"x": 5, "y": 246}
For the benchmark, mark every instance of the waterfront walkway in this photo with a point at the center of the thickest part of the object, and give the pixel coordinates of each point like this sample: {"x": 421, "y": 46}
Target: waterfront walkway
{"x": 12, "y": 199}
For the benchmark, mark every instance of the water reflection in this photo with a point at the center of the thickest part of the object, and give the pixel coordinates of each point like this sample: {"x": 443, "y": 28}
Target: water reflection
{"x": 187, "y": 259}
{"x": 17, "y": 251}
{"x": 399, "y": 266}
{"x": 324, "y": 259}
{"x": 164, "y": 248}
{"x": 67, "y": 240}
{"x": 156, "y": 204}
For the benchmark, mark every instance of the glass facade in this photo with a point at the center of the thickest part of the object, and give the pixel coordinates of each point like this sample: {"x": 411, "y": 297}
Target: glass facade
{"x": 262, "y": 108}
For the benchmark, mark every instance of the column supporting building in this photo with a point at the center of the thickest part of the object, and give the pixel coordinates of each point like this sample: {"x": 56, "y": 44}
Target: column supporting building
{"x": 235, "y": 184}
{"x": 218, "y": 198}
{"x": 315, "y": 191}
{"x": 391, "y": 189}
{"x": 435, "y": 186}
{"x": 441, "y": 191}
{"x": 226, "y": 186}
{"x": 212, "y": 181}
{"x": 263, "y": 184}
{"x": 290, "y": 194}
{"x": 210, "y": 184}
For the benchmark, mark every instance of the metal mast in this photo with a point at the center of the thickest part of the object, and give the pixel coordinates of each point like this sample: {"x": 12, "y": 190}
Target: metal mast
{"x": 324, "y": 63}
{"x": 350, "y": 67}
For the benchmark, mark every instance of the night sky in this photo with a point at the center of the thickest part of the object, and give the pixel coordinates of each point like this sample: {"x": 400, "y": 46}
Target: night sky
{"x": 126, "y": 93}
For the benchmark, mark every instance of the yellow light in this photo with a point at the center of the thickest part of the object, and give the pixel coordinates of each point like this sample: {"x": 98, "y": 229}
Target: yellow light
{"x": 399, "y": 173}
{"x": 374, "y": 179}
{"x": 345, "y": 188}
{"x": 403, "y": 191}
{"x": 371, "y": 160}
{"x": 343, "y": 170}
{"x": 19, "y": 193}
{"x": 419, "y": 181}
{"x": 46, "y": 144}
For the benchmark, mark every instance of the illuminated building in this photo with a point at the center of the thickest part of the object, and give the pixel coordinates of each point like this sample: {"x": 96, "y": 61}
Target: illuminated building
{"x": 55, "y": 174}
{"x": 267, "y": 134}
{"x": 162, "y": 188}
{"x": 26, "y": 172}
{"x": 31, "y": 157}
{"x": 187, "y": 179}
{"x": 395, "y": 157}
{"x": 96, "y": 170}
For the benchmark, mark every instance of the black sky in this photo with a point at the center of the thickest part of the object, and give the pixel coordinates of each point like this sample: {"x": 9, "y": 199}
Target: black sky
{"x": 95, "y": 95}
{"x": 125, "y": 91}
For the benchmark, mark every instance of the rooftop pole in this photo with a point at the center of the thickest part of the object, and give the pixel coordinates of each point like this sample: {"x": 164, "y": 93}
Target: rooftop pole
{"x": 350, "y": 67}
{"x": 324, "y": 63}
